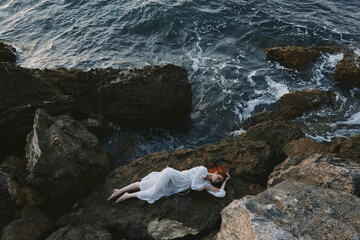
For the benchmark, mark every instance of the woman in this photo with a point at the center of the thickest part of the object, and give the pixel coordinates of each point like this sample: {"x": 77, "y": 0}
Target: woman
{"x": 170, "y": 181}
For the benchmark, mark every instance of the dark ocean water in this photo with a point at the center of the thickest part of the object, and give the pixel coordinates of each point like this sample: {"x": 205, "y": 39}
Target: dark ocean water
{"x": 220, "y": 43}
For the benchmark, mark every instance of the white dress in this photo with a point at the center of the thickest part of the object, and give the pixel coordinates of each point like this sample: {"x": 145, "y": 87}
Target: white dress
{"x": 170, "y": 181}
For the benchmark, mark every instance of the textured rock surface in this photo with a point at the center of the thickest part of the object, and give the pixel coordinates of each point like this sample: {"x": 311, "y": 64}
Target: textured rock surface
{"x": 298, "y": 58}
{"x": 276, "y": 134}
{"x": 64, "y": 159}
{"x": 348, "y": 70}
{"x": 169, "y": 229}
{"x": 82, "y": 232}
{"x": 32, "y": 225}
{"x": 292, "y": 210}
{"x": 304, "y": 147}
{"x": 348, "y": 149}
{"x": 7, "y": 203}
{"x": 295, "y": 104}
{"x": 327, "y": 172}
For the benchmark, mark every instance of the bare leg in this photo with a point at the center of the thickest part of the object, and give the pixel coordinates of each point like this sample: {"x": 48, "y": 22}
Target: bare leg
{"x": 126, "y": 196}
{"x": 132, "y": 187}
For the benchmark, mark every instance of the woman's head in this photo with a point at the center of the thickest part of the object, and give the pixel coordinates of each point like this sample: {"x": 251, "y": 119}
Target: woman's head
{"x": 218, "y": 173}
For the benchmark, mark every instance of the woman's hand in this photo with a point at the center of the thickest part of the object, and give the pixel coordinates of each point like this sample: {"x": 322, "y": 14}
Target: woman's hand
{"x": 227, "y": 176}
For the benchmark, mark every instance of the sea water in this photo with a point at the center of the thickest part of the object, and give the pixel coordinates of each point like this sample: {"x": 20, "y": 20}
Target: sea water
{"x": 220, "y": 43}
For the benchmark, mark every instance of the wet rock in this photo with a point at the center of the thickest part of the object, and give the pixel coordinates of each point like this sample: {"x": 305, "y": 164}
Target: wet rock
{"x": 64, "y": 159}
{"x": 305, "y": 147}
{"x": 82, "y": 232}
{"x": 32, "y": 225}
{"x": 348, "y": 70}
{"x": 7, "y": 52}
{"x": 292, "y": 210}
{"x": 7, "y": 203}
{"x": 348, "y": 149}
{"x": 295, "y": 104}
{"x": 299, "y": 58}
{"x": 327, "y": 172}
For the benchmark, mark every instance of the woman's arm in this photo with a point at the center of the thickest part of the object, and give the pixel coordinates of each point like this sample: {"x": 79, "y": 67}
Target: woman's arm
{"x": 216, "y": 191}
{"x": 224, "y": 183}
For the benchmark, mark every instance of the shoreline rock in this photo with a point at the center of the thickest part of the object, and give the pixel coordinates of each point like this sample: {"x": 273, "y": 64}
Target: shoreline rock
{"x": 292, "y": 210}
{"x": 149, "y": 96}
{"x": 298, "y": 58}
{"x": 295, "y": 104}
{"x": 348, "y": 70}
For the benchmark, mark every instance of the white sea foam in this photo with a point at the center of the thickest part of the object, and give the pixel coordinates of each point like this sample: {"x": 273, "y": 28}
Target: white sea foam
{"x": 326, "y": 65}
{"x": 249, "y": 78}
{"x": 353, "y": 120}
{"x": 268, "y": 96}
{"x": 276, "y": 89}
{"x": 237, "y": 133}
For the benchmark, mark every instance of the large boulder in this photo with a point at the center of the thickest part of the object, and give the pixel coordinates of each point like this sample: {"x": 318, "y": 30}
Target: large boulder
{"x": 292, "y": 210}
{"x": 32, "y": 225}
{"x": 299, "y": 58}
{"x": 180, "y": 215}
{"x": 295, "y": 104}
{"x": 64, "y": 159}
{"x": 250, "y": 160}
{"x": 348, "y": 70}
{"x": 152, "y": 95}
{"x": 327, "y": 172}
{"x": 82, "y": 232}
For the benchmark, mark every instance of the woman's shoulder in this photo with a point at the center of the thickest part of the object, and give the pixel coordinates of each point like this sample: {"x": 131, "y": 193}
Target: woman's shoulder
{"x": 199, "y": 169}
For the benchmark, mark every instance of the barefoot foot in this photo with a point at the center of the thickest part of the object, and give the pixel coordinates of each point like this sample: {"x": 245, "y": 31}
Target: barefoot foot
{"x": 115, "y": 193}
{"x": 124, "y": 197}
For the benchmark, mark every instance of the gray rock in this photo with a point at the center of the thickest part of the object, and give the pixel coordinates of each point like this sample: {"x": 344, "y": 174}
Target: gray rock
{"x": 82, "y": 232}
{"x": 64, "y": 159}
{"x": 327, "y": 172}
{"x": 32, "y": 225}
{"x": 292, "y": 210}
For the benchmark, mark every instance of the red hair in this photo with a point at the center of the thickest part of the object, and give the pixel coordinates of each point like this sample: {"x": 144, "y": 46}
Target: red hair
{"x": 220, "y": 169}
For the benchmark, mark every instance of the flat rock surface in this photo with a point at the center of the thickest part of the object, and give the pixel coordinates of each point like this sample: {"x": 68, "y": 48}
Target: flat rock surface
{"x": 323, "y": 171}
